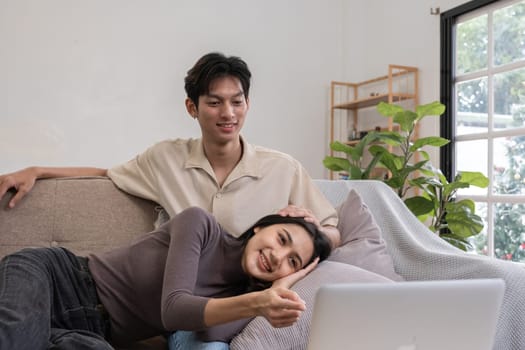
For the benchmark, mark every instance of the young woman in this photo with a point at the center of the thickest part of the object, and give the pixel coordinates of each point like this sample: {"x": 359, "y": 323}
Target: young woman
{"x": 190, "y": 274}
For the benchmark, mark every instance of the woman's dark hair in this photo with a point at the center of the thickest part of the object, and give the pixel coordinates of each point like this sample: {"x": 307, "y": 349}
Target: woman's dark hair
{"x": 211, "y": 66}
{"x": 322, "y": 247}
{"x": 321, "y": 242}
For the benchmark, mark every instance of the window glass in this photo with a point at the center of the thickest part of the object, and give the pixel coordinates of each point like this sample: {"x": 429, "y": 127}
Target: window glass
{"x": 471, "y": 103}
{"x": 472, "y": 156}
{"x": 509, "y": 165}
{"x": 509, "y": 34}
{"x": 471, "y": 45}
{"x": 509, "y": 99}
{"x": 509, "y": 235}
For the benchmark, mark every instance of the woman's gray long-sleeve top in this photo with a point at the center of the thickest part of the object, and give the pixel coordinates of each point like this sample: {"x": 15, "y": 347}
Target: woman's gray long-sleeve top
{"x": 162, "y": 282}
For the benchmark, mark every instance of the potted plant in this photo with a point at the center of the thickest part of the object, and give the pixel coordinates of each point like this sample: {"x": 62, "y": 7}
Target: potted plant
{"x": 396, "y": 152}
{"x": 454, "y": 220}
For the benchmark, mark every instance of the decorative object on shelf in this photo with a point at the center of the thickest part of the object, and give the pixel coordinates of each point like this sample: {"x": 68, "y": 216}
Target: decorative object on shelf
{"x": 362, "y": 134}
{"x": 454, "y": 220}
{"x": 353, "y": 134}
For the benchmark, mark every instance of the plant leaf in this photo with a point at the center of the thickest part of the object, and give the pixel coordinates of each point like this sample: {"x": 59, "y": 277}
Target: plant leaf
{"x": 432, "y": 108}
{"x": 434, "y": 141}
{"x": 336, "y": 163}
{"x": 387, "y": 159}
{"x": 355, "y": 172}
{"x": 452, "y": 187}
{"x": 424, "y": 154}
{"x": 367, "y": 172}
{"x": 363, "y": 144}
{"x": 474, "y": 178}
{"x": 419, "y": 205}
{"x": 388, "y": 109}
{"x": 406, "y": 120}
{"x": 456, "y": 241}
{"x": 461, "y": 219}
{"x": 390, "y": 137}
{"x": 341, "y": 147}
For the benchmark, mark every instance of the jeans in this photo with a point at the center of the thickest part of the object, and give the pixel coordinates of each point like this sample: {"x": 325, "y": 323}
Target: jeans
{"x": 183, "y": 340}
{"x": 48, "y": 301}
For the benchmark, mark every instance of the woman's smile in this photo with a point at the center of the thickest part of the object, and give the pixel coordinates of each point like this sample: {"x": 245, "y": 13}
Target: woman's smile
{"x": 264, "y": 263}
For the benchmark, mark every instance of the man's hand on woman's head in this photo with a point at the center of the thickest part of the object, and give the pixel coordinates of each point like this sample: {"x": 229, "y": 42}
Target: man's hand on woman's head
{"x": 296, "y": 211}
{"x": 330, "y": 231}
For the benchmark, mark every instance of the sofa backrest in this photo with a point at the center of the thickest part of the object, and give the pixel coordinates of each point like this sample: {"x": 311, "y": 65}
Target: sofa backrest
{"x": 82, "y": 214}
{"x": 87, "y": 214}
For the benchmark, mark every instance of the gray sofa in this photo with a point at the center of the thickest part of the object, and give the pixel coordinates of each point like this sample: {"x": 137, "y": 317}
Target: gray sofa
{"x": 91, "y": 214}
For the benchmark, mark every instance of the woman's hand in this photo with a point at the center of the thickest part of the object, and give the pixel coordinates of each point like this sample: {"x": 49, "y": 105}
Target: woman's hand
{"x": 284, "y": 305}
{"x": 290, "y": 280}
{"x": 281, "y": 306}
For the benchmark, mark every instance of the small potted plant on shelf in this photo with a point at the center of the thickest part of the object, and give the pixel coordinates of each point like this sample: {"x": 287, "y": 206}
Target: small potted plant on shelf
{"x": 409, "y": 172}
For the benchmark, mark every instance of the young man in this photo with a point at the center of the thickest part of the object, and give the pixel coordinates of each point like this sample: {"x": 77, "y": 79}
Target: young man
{"x": 219, "y": 172}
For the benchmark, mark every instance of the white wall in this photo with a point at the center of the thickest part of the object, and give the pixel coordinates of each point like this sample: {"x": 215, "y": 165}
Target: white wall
{"x": 95, "y": 82}
{"x": 380, "y": 32}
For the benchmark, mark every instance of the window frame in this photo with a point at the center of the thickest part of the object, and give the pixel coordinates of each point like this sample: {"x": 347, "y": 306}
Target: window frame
{"x": 447, "y": 121}
{"x": 448, "y": 79}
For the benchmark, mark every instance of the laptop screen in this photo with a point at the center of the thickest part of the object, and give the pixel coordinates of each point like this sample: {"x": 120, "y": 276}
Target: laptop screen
{"x": 421, "y": 315}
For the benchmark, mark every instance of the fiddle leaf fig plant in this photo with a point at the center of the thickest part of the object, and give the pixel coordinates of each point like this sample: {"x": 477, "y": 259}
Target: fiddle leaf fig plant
{"x": 401, "y": 164}
{"x": 454, "y": 220}
{"x": 408, "y": 167}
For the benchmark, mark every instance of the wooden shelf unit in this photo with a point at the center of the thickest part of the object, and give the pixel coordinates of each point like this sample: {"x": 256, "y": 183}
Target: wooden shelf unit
{"x": 400, "y": 84}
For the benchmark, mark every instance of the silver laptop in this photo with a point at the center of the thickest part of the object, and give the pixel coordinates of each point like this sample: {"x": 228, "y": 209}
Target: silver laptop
{"x": 422, "y": 315}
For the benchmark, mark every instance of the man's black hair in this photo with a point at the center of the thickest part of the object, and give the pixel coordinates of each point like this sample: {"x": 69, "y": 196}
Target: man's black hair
{"x": 212, "y": 66}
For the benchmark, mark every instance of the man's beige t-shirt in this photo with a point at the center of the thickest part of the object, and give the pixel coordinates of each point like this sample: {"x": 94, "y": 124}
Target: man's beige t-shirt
{"x": 177, "y": 175}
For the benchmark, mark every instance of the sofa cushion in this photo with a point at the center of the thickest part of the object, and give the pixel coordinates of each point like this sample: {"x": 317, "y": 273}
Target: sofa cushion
{"x": 362, "y": 243}
{"x": 260, "y": 335}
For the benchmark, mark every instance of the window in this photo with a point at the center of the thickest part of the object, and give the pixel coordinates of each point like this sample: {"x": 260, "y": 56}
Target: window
{"x": 483, "y": 87}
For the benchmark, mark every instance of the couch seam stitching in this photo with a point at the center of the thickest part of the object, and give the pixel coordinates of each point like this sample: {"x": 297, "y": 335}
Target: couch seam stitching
{"x": 53, "y": 204}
